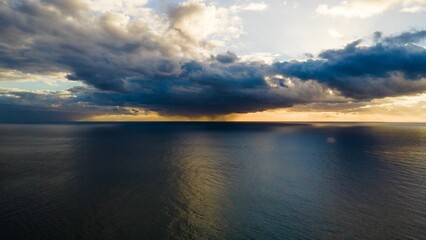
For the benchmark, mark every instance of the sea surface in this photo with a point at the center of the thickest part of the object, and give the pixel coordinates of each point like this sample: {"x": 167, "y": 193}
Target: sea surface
{"x": 213, "y": 181}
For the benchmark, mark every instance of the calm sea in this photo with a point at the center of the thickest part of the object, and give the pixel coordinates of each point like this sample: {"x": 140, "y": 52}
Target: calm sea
{"x": 213, "y": 181}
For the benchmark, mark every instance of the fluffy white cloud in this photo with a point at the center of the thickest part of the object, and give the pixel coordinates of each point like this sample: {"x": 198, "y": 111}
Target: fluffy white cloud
{"x": 198, "y": 22}
{"x": 18, "y": 76}
{"x": 415, "y": 8}
{"x": 254, "y": 6}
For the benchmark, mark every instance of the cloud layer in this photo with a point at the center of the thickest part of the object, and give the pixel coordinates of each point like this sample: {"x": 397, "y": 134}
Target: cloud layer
{"x": 130, "y": 57}
{"x": 392, "y": 66}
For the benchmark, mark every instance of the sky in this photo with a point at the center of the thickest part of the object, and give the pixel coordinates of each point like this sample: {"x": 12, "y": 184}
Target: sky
{"x": 245, "y": 60}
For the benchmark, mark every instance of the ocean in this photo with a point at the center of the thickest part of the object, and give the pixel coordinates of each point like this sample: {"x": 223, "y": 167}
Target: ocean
{"x": 213, "y": 181}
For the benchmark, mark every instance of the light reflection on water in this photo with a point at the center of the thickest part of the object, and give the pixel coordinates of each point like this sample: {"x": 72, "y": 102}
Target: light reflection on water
{"x": 212, "y": 180}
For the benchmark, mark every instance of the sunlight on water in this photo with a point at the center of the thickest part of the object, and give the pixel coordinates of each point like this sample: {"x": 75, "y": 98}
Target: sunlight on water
{"x": 213, "y": 180}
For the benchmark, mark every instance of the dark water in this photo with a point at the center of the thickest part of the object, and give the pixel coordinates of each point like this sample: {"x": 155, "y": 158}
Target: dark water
{"x": 212, "y": 181}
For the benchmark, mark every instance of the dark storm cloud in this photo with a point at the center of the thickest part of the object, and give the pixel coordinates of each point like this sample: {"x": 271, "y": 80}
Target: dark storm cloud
{"x": 392, "y": 66}
{"x": 407, "y": 37}
{"x": 133, "y": 65}
{"x": 209, "y": 89}
{"x": 37, "y": 39}
{"x": 136, "y": 67}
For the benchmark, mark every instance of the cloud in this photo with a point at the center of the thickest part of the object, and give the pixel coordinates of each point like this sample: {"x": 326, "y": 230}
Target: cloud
{"x": 25, "y": 106}
{"x": 254, "y": 6}
{"x": 104, "y": 49}
{"x": 213, "y": 89}
{"x": 334, "y": 33}
{"x": 52, "y": 78}
{"x": 392, "y": 66}
{"x": 414, "y": 9}
{"x": 401, "y": 39}
{"x": 225, "y": 58}
{"x": 129, "y": 57}
{"x": 130, "y": 7}
{"x": 198, "y": 21}
{"x": 369, "y": 8}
